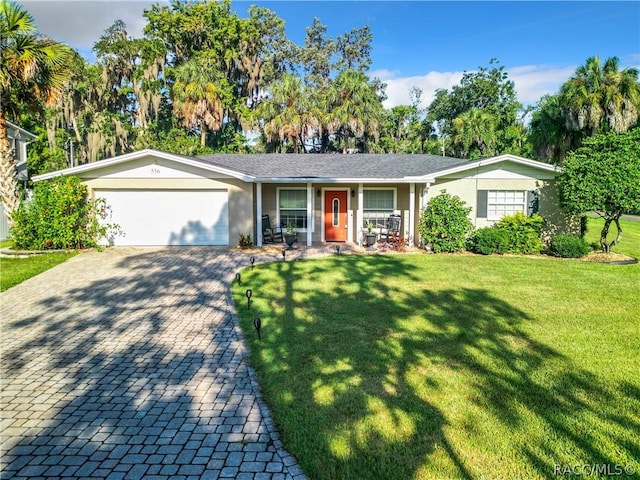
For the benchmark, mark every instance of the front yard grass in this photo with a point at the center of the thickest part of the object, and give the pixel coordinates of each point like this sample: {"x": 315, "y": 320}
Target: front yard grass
{"x": 448, "y": 366}
{"x": 16, "y": 270}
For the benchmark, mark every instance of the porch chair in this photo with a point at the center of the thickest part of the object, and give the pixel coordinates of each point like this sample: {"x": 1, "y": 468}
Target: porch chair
{"x": 270, "y": 234}
{"x": 393, "y": 225}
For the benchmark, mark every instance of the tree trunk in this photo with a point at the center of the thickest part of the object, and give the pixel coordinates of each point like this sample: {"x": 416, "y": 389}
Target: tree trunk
{"x": 301, "y": 140}
{"x": 8, "y": 173}
{"x": 606, "y": 247}
{"x": 324, "y": 141}
{"x": 616, "y": 220}
{"x": 346, "y": 141}
{"x": 603, "y": 235}
{"x": 203, "y": 135}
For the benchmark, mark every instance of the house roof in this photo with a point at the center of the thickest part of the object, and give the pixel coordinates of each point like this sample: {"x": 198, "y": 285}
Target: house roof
{"x": 333, "y": 167}
{"x": 315, "y": 168}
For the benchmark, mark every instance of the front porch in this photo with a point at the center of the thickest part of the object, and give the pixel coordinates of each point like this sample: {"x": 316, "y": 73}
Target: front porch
{"x": 323, "y": 212}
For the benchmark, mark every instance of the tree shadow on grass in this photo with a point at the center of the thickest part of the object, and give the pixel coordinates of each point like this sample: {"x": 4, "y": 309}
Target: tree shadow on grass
{"x": 368, "y": 379}
{"x": 135, "y": 372}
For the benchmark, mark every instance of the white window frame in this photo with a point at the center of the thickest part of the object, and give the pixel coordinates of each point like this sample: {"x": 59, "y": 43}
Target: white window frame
{"x": 392, "y": 211}
{"x": 513, "y": 206}
{"x": 278, "y": 190}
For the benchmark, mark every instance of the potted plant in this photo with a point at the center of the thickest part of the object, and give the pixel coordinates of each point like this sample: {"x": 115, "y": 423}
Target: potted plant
{"x": 290, "y": 236}
{"x": 245, "y": 241}
{"x": 370, "y": 235}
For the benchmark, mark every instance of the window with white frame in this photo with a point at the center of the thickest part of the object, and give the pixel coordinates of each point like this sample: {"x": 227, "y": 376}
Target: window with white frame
{"x": 292, "y": 207}
{"x": 378, "y": 204}
{"x": 505, "y": 202}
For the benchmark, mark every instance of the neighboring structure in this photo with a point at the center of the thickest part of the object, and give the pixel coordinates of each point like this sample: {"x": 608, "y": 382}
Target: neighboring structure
{"x": 161, "y": 198}
{"x": 19, "y": 139}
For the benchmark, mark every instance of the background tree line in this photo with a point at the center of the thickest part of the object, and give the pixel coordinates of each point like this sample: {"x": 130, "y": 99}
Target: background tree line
{"x": 202, "y": 78}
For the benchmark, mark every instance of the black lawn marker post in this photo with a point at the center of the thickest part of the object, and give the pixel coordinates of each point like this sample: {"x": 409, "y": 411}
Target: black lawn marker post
{"x": 257, "y": 323}
{"x": 238, "y": 279}
{"x": 252, "y": 260}
{"x": 248, "y": 293}
{"x": 284, "y": 254}
{"x": 337, "y": 249}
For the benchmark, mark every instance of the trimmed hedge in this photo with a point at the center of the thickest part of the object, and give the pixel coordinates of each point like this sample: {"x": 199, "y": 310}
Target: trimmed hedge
{"x": 523, "y": 232}
{"x": 512, "y": 234}
{"x": 489, "y": 240}
{"x": 568, "y": 246}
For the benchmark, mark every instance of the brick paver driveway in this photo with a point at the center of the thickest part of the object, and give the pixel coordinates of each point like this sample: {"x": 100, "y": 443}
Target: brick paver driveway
{"x": 129, "y": 364}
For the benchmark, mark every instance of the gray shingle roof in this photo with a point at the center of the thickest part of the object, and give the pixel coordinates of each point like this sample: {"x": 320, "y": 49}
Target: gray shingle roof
{"x": 333, "y": 166}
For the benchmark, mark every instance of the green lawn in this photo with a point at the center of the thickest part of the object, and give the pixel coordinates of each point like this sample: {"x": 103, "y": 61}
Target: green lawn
{"x": 16, "y": 270}
{"x": 448, "y": 366}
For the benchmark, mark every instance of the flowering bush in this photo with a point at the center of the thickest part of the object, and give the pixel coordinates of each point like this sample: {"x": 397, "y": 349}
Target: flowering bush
{"x": 59, "y": 216}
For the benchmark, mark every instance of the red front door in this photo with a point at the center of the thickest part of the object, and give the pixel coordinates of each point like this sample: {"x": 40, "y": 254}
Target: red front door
{"x": 335, "y": 216}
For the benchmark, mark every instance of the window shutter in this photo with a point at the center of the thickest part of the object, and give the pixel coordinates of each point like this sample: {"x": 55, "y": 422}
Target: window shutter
{"x": 481, "y": 204}
{"x": 532, "y": 202}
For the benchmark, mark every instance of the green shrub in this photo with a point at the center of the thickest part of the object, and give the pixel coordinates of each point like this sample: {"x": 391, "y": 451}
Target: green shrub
{"x": 444, "y": 225}
{"x": 489, "y": 240}
{"x": 569, "y": 246}
{"x": 245, "y": 240}
{"x": 523, "y": 232}
{"x": 60, "y": 216}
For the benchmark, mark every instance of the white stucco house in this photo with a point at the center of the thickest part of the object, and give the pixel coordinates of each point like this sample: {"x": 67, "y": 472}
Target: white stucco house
{"x": 161, "y": 198}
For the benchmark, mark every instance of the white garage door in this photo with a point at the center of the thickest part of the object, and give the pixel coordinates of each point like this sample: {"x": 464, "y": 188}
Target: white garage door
{"x": 169, "y": 217}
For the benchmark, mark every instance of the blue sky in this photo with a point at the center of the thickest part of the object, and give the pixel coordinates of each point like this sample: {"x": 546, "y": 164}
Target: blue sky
{"x": 417, "y": 43}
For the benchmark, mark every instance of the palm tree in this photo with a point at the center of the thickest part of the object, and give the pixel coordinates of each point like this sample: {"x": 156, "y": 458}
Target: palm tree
{"x": 601, "y": 97}
{"x": 287, "y": 113}
{"x": 33, "y": 70}
{"x": 356, "y": 107}
{"x": 549, "y": 136}
{"x": 201, "y": 96}
{"x": 475, "y": 131}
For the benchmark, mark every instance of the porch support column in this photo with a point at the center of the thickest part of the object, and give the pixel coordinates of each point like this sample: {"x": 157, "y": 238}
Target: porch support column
{"x": 258, "y": 214}
{"x": 423, "y": 197}
{"x": 360, "y": 214}
{"x": 309, "y": 214}
{"x": 412, "y": 212}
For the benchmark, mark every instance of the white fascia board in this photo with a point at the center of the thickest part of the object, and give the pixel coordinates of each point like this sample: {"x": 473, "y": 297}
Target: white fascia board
{"x": 419, "y": 179}
{"x": 340, "y": 180}
{"x": 21, "y": 130}
{"x": 492, "y": 160}
{"x": 140, "y": 154}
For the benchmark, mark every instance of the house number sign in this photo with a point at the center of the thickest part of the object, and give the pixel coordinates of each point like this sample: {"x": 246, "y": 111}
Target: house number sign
{"x": 155, "y": 171}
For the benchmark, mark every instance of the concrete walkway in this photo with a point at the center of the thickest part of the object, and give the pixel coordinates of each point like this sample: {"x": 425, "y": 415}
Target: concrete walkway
{"x": 128, "y": 364}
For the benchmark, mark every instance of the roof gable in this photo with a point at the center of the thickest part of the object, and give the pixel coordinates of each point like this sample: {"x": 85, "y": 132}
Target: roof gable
{"x": 131, "y": 164}
{"x": 19, "y": 133}
{"x": 475, "y": 164}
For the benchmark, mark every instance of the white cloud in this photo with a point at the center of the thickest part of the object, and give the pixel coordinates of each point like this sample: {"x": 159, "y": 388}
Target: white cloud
{"x": 534, "y": 81}
{"x": 398, "y": 88}
{"x": 531, "y": 81}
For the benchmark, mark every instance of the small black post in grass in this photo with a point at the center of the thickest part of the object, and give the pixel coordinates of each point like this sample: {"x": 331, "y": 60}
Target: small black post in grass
{"x": 337, "y": 249}
{"x": 248, "y": 293}
{"x": 257, "y": 323}
{"x": 238, "y": 279}
{"x": 252, "y": 260}
{"x": 284, "y": 254}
